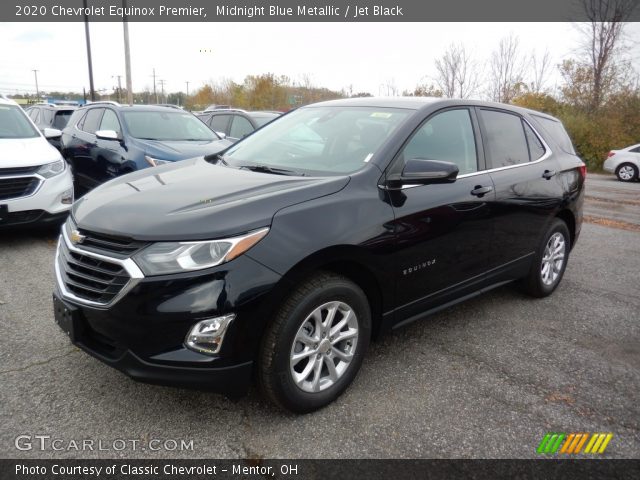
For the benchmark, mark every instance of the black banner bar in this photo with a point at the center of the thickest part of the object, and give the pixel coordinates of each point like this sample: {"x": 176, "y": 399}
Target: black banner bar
{"x": 547, "y": 469}
{"x": 307, "y": 10}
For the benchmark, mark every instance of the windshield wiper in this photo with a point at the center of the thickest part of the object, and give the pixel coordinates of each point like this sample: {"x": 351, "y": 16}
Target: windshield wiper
{"x": 216, "y": 158}
{"x": 267, "y": 169}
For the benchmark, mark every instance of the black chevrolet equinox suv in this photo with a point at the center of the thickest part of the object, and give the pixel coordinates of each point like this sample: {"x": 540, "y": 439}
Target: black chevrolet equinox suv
{"x": 280, "y": 258}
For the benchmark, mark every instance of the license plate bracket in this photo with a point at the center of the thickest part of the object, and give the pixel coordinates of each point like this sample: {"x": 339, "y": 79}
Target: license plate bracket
{"x": 65, "y": 316}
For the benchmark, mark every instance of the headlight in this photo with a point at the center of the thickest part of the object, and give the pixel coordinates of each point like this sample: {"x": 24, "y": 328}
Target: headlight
{"x": 52, "y": 169}
{"x": 154, "y": 162}
{"x": 173, "y": 257}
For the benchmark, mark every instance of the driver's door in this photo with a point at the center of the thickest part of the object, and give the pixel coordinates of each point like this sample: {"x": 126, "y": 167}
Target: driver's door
{"x": 443, "y": 231}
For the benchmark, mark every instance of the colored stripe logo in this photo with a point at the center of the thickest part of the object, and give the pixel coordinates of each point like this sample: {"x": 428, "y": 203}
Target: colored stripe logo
{"x": 573, "y": 443}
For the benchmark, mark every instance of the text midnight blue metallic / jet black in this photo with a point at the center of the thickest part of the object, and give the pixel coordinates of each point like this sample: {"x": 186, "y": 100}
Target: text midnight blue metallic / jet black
{"x": 278, "y": 259}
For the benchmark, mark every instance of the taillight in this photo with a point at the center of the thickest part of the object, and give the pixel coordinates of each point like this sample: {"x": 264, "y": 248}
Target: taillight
{"x": 611, "y": 154}
{"x": 583, "y": 171}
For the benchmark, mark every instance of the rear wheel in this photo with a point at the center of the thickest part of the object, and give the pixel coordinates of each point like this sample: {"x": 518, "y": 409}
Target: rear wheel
{"x": 314, "y": 347}
{"x": 627, "y": 172}
{"x": 550, "y": 261}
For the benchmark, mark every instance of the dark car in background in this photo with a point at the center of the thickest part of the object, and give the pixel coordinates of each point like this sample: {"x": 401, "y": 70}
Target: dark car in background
{"x": 234, "y": 123}
{"x": 105, "y": 139}
{"x": 49, "y": 115}
{"x": 279, "y": 259}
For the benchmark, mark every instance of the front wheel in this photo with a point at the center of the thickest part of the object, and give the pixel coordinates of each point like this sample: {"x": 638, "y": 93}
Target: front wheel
{"x": 627, "y": 172}
{"x": 315, "y": 344}
{"x": 550, "y": 261}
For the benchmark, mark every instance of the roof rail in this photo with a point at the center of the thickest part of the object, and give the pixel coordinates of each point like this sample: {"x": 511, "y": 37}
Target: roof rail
{"x": 108, "y": 102}
{"x": 169, "y": 105}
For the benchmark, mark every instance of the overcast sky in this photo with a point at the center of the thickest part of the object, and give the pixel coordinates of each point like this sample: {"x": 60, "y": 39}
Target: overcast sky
{"x": 365, "y": 56}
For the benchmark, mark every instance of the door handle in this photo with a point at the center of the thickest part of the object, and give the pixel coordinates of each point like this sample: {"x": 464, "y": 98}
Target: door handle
{"x": 548, "y": 174}
{"x": 480, "y": 191}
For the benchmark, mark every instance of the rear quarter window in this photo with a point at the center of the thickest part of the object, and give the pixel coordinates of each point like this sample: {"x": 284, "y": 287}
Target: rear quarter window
{"x": 556, "y": 130}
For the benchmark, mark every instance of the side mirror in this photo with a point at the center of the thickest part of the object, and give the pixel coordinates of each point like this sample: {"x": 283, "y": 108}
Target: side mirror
{"x": 107, "y": 135}
{"x": 419, "y": 171}
{"x": 222, "y": 135}
{"x": 50, "y": 133}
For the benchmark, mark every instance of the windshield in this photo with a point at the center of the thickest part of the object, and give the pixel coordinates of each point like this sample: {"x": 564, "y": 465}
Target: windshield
{"x": 167, "y": 126}
{"x": 14, "y": 123}
{"x": 320, "y": 140}
{"x": 263, "y": 119}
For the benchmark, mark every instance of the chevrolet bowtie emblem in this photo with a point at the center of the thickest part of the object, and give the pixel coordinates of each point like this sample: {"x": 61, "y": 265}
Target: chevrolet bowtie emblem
{"x": 77, "y": 237}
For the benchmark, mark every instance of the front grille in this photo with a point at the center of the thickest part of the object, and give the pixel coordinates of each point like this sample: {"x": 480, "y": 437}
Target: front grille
{"x": 16, "y": 187}
{"x": 89, "y": 278}
{"x": 107, "y": 244}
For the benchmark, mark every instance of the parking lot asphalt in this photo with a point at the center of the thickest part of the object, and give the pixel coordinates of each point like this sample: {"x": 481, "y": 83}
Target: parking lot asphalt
{"x": 485, "y": 379}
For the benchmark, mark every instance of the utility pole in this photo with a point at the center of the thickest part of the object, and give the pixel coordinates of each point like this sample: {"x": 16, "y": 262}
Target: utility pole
{"x": 35, "y": 72}
{"x": 119, "y": 87}
{"x": 162, "y": 87}
{"x": 127, "y": 55}
{"x": 187, "y": 98}
{"x": 92, "y": 91}
{"x": 155, "y": 94}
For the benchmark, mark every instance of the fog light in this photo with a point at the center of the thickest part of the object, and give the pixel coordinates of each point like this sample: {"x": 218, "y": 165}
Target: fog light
{"x": 67, "y": 197}
{"x": 206, "y": 336}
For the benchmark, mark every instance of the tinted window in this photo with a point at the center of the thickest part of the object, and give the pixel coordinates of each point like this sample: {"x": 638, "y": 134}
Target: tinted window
{"x": 47, "y": 116}
{"x": 219, "y": 123}
{"x": 536, "y": 149}
{"x": 15, "y": 124}
{"x": 92, "y": 120}
{"x": 240, "y": 127}
{"x": 61, "y": 119}
{"x": 110, "y": 121}
{"x": 35, "y": 115}
{"x": 557, "y": 132}
{"x": 448, "y": 137}
{"x": 635, "y": 150}
{"x": 504, "y": 139}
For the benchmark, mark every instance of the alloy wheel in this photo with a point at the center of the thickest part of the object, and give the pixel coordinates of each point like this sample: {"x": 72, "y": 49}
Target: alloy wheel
{"x": 324, "y": 346}
{"x": 553, "y": 259}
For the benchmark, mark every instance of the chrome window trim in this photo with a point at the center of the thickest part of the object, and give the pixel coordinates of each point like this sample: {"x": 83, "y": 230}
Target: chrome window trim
{"x": 547, "y": 153}
{"x": 128, "y": 264}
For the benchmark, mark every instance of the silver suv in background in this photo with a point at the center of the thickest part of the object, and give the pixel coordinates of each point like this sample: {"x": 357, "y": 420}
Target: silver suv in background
{"x": 36, "y": 184}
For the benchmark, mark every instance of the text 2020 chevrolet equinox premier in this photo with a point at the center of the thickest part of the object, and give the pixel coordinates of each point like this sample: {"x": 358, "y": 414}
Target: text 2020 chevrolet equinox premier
{"x": 280, "y": 258}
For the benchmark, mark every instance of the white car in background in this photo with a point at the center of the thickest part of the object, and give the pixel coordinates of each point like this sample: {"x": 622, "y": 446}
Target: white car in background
{"x": 624, "y": 163}
{"x": 36, "y": 185}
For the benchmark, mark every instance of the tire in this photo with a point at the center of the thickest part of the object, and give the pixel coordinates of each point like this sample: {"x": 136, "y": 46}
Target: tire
{"x": 294, "y": 362}
{"x": 627, "y": 172}
{"x": 541, "y": 281}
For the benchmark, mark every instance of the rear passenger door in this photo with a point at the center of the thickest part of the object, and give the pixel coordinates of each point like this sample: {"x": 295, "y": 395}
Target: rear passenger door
{"x": 527, "y": 191}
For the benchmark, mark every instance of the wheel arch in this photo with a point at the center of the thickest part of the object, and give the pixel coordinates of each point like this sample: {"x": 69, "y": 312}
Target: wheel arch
{"x": 569, "y": 219}
{"x": 347, "y": 261}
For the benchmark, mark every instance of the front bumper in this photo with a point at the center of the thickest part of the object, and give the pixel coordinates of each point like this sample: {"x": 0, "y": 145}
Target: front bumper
{"x": 43, "y": 206}
{"x": 142, "y": 334}
{"x": 233, "y": 380}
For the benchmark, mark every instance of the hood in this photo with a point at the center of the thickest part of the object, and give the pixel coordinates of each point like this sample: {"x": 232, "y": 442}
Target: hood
{"x": 179, "y": 150}
{"x": 194, "y": 200}
{"x": 26, "y": 152}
